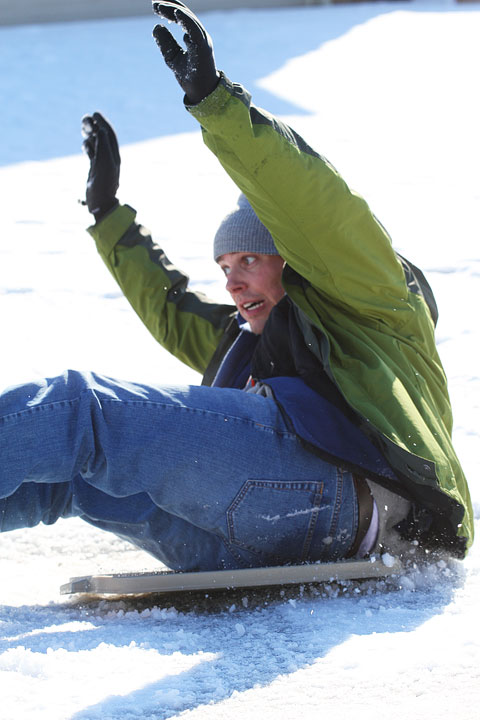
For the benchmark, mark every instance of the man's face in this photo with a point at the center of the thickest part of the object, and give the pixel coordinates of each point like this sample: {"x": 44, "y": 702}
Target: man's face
{"x": 254, "y": 282}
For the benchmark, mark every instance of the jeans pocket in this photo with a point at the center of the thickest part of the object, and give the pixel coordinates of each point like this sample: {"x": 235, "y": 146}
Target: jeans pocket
{"x": 277, "y": 518}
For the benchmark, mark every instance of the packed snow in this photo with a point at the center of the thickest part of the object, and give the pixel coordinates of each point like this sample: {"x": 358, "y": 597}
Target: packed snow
{"x": 389, "y": 93}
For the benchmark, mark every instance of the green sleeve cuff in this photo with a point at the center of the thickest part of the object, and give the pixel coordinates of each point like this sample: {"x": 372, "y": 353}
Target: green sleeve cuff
{"x": 111, "y": 228}
{"x": 213, "y": 103}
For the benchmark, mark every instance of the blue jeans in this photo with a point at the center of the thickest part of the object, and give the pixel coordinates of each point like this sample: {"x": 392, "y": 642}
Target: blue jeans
{"x": 201, "y": 478}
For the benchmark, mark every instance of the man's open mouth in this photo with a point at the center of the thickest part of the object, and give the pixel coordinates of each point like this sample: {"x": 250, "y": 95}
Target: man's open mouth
{"x": 249, "y": 306}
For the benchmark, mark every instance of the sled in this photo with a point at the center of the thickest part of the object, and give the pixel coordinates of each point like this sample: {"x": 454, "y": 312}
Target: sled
{"x": 166, "y": 581}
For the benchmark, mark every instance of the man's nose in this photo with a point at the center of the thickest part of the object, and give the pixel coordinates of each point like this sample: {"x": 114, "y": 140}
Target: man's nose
{"x": 235, "y": 282}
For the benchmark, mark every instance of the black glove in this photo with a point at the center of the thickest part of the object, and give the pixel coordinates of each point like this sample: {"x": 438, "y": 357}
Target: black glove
{"x": 194, "y": 68}
{"x": 101, "y": 146}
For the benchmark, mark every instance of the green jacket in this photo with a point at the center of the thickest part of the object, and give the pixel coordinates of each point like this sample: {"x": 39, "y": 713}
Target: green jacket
{"x": 364, "y": 317}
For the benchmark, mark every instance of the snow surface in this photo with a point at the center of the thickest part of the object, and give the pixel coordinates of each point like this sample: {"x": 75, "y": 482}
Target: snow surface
{"x": 389, "y": 93}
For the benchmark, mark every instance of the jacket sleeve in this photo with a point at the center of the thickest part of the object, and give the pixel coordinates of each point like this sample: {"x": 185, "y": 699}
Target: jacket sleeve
{"x": 321, "y": 228}
{"x": 186, "y": 323}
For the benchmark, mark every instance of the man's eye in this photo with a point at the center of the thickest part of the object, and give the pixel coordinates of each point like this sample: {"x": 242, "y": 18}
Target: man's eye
{"x": 226, "y": 270}
{"x": 248, "y": 259}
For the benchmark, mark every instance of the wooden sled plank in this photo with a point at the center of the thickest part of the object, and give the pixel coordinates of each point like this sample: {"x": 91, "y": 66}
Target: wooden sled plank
{"x": 169, "y": 581}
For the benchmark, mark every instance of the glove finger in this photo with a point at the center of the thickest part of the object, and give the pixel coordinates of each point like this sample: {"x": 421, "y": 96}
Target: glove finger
{"x": 87, "y": 126}
{"x": 165, "y": 9}
{"x": 102, "y": 152}
{"x": 192, "y": 25}
{"x": 114, "y": 145}
{"x": 168, "y": 7}
{"x": 100, "y": 121}
{"x": 105, "y": 127}
{"x": 169, "y": 47}
{"x": 177, "y": 3}
{"x": 177, "y": 12}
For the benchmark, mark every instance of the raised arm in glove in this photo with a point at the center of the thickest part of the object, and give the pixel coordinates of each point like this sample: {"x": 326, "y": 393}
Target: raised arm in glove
{"x": 101, "y": 146}
{"x": 194, "y": 67}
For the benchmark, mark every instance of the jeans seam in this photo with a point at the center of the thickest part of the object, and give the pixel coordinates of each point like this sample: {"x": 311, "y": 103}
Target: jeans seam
{"x": 338, "y": 502}
{"x": 44, "y": 407}
{"x": 65, "y": 402}
{"x": 202, "y": 411}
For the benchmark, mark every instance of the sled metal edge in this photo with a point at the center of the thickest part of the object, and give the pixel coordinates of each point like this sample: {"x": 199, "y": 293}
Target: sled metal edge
{"x": 161, "y": 581}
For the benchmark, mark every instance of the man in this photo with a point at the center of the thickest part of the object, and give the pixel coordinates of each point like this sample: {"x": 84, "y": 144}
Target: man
{"x": 322, "y": 429}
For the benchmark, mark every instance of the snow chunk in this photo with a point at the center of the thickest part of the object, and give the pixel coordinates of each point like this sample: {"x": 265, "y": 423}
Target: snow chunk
{"x": 388, "y": 560}
{"x": 240, "y": 629}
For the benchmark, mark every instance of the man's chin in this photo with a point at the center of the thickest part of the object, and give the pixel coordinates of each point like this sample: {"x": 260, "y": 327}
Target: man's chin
{"x": 256, "y": 324}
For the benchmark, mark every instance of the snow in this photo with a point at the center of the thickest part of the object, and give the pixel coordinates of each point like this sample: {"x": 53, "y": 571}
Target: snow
{"x": 389, "y": 93}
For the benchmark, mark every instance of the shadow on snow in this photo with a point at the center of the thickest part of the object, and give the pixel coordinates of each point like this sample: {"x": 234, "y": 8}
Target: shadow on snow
{"x": 239, "y": 639}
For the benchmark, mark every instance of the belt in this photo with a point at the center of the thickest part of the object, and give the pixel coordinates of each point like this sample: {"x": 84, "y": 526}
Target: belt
{"x": 367, "y": 519}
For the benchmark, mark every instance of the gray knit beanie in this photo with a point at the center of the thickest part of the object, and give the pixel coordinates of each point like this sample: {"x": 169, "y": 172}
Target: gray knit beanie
{"x": 242, "y": 231}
